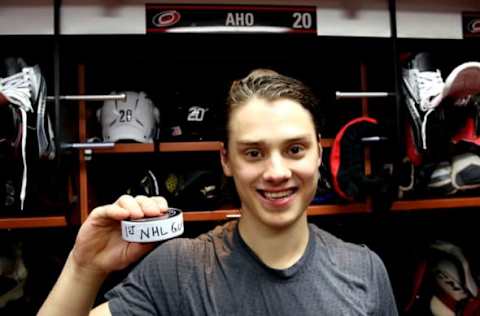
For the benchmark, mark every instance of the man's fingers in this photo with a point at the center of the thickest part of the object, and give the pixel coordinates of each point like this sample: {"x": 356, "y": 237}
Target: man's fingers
{"x": 129, "y": 207}
{"x": 150, "y": 206}
{"x": 129, "y": 203}
{"x": 111, "y": 211}
{"x": 161, "y": 202}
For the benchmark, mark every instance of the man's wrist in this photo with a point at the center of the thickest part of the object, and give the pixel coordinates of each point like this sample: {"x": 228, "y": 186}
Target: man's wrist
{"x": 85, "y": 274}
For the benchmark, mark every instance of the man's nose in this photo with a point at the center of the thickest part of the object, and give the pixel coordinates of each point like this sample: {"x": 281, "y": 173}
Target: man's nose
{"x": 277, "y": 169}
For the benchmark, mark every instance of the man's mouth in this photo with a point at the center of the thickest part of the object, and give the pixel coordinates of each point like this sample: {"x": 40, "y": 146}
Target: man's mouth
{"x": 276, "y": 195}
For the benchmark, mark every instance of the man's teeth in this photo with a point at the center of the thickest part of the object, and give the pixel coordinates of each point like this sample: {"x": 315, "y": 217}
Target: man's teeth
{"x": 277, "y": 195}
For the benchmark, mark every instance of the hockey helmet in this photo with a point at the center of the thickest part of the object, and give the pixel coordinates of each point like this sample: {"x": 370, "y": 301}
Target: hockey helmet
{"x": 136, "y": 118}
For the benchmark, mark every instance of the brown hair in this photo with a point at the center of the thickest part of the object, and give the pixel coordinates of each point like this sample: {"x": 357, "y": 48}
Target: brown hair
{"x": 270, "y": 85}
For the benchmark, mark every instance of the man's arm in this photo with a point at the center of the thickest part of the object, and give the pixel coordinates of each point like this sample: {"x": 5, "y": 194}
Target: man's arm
{"x": 75, "y": 293}
{"x": 99, "y": 249}
{"x": 384, "y": 298}
{"x": 101, "y": 310}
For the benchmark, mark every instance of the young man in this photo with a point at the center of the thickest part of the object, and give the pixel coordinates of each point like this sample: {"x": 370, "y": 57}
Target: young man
{"x": 270, "y": 262}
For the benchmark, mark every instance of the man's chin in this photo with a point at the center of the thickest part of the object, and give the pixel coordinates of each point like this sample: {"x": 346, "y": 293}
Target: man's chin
{"x": 284, "y": 220}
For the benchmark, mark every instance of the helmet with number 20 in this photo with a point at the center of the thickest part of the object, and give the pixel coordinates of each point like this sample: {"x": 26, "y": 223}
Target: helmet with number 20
{"x": 134, "y": 119}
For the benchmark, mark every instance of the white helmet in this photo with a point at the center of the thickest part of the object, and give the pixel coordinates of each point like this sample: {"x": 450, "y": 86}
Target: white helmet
{"x": 135, "y": 118}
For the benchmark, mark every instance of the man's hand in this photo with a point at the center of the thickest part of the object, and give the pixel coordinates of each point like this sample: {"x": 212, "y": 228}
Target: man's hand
{"x": 99, "y": 247}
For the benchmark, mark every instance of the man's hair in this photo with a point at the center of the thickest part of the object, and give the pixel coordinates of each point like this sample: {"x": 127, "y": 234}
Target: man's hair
{"x": 270, "y": 85}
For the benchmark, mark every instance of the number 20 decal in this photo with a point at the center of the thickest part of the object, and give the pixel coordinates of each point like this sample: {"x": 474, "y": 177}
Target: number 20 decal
{"x": 302, "y": 20}
{"x": 125, "y": 115}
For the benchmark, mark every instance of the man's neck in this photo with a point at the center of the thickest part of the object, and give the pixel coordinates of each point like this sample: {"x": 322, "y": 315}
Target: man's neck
{"x": 278, "y": 248}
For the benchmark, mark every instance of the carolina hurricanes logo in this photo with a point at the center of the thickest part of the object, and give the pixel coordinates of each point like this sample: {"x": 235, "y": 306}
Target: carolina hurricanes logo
{"x": 474, "y": 26}
{"x": 166, "y": 18}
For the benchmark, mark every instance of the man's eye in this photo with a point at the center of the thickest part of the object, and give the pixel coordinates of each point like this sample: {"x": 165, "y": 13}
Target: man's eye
{"x": 296, "y": 149}
{"x": 253, "y": 153}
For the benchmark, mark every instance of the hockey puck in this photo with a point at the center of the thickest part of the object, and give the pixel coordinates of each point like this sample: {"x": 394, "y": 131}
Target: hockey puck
{"x": 154, "y": 229}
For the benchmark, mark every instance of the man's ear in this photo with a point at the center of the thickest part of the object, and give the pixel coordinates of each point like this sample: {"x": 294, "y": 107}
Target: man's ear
{"x": 320, "y": 152}
{"x": 225, "y": 161}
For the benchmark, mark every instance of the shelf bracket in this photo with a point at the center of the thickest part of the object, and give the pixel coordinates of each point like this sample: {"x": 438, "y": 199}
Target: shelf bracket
{"x": 87, "y": 145}
{"x": 100, "y": 97}
{"x": 357, "y": 95}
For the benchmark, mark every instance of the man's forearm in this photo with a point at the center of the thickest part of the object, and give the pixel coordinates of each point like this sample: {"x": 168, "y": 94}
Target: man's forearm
{"x": 74, "y": 292}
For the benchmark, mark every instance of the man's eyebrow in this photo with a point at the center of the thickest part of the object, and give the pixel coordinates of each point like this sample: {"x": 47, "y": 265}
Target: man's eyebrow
{"x": 302, "y": 138}
{"x": 249, "y": 142}
{"x": 246, "y": 142}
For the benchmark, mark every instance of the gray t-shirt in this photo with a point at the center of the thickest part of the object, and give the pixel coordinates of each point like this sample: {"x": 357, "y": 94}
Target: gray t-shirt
{"x": 218, "y": 274}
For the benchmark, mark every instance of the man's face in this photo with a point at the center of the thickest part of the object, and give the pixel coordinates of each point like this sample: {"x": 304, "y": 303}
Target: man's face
{"x": 273, "y": 156}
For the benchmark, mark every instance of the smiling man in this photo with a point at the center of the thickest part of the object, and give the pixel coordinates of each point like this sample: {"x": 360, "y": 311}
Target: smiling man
{"x": 269, "y": 262}
{"x": 273, "y": 156}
